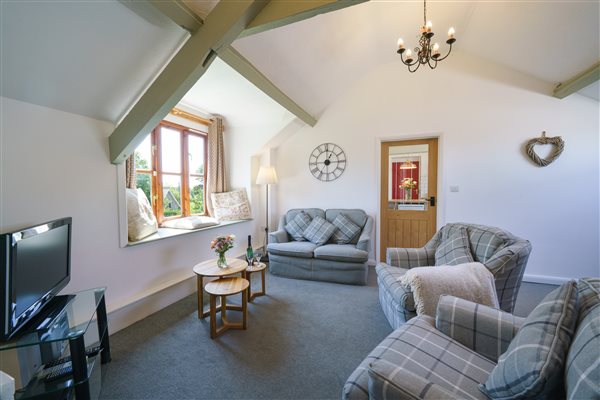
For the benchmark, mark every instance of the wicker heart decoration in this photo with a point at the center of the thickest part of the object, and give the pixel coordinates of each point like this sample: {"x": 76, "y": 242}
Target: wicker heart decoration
{"x": 556, "y": 141}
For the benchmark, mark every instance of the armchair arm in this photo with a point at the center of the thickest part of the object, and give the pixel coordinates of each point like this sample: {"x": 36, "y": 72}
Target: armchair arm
{"x": 410, "y": 258}
{"x": 389, "y": 381}
{"x": 280, "y": 236}
{"x": 483, "y": 329}
{"x": 365, "y": 235}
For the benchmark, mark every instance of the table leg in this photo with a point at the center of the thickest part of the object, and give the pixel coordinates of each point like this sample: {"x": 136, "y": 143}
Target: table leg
{"x": 199, "y": 282}
{"x": 264, "y": 288}
{"x": 80, "y": 370}
{"x": 213, "y": 316}
{"x": 244, "y": 309}
{"x": 103, "y": 332}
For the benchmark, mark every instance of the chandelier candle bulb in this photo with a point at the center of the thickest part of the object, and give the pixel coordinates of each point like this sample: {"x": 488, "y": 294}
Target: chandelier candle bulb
{"x": 451, "y": 33}
{"x": 400, "y": 43}
{"x": 408, "y": 55}
{"x": 428, "y": 26}
{"x": 436, "y": 49}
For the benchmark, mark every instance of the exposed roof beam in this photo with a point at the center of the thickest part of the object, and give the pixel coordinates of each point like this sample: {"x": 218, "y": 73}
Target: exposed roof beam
{"x": 221, "y": 27}
{"x": 578, "y": 82}
{"x": 179, "y": 13}
{"x": 236, "y": 61}
{"x": 284, "y": 12}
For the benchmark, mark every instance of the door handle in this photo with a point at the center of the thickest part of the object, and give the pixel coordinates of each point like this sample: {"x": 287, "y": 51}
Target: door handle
{"x": 432, "y": 201}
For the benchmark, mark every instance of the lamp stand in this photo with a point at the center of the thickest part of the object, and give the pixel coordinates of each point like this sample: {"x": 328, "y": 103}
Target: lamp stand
{"x": 265, "y": 257}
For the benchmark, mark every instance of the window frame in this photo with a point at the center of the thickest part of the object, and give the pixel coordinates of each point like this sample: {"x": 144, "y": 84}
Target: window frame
{"x": 157, "y": 171}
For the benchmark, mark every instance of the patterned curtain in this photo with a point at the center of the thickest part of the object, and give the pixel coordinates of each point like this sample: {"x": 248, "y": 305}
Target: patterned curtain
{"x": 130, "y": 172}
{"x": 216, "y": 179}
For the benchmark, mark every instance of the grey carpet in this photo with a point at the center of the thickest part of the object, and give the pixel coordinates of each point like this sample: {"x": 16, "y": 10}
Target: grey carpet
{"x": 303, "y": 341}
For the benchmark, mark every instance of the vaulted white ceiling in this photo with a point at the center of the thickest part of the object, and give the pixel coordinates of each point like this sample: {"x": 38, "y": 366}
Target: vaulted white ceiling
{"x": 96, "y": 58}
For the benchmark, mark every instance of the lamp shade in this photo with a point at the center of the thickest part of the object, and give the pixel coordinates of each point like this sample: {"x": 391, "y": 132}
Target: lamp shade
{"x": 266, "y": 176}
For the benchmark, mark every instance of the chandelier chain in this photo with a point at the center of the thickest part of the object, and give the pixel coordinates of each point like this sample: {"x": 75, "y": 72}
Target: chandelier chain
{"x": 424, "y": 12}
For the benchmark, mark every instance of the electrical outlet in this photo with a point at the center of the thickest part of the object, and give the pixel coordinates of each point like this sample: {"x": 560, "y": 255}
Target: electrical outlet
{"x": 454, "y": 188}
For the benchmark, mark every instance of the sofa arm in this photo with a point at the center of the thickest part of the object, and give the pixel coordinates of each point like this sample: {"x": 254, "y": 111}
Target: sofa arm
{"x": 410, "y": 258}
{"x": 280, "y": 236}
{"x": 390, "y": 381}
{"x": 483, "y": 329}
{"x": 365, "y": 235}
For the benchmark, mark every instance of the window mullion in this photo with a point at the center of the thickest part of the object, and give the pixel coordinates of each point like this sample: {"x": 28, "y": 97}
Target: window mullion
{"x": 157, "y": 175}
{"x": 185, "y": 189}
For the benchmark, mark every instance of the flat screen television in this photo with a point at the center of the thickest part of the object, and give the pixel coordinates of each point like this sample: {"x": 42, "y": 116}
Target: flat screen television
{"x": 36, "y": 265}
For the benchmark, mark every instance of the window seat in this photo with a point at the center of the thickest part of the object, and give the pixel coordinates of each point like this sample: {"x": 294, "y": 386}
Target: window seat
{"x": 164, "y": 233}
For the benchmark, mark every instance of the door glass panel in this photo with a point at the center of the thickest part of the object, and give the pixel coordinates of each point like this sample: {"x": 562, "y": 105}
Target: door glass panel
{"x": 197, "y": 194}
{"x": 408, "y": 177}
{"x": 171, "y": 195}
{"x": 171, "y": 150}
{"x": 196, "y": 154}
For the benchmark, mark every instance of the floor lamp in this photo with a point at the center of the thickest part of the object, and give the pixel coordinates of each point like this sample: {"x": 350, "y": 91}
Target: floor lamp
{"x": 266, "y": 176}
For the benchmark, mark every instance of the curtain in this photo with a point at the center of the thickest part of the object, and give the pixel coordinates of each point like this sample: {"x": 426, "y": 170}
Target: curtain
{"x": 130, "y": 172}
{"x": 216, "y": 178}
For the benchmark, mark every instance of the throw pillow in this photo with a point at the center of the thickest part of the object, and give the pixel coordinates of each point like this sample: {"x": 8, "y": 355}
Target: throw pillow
{"x": 231, "y": 206}
{"x": 533, "y": 364}
{"x": 298, "y": 225}
{"x": 140, "y": 219}
{"x": 346, "y": 229}
{"x": 319, "y": 231}
{"x": 455, "y": 249}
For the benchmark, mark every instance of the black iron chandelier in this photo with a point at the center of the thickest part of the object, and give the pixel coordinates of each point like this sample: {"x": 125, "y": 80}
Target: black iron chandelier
{"x": 427, "y": 53}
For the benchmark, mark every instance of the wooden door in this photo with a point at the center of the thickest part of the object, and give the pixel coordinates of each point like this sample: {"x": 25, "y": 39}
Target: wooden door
{"x": 408, "y": 193}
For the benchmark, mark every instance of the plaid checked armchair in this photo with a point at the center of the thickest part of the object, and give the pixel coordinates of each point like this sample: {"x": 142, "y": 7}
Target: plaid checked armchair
{"x": 458, "y": 354}
{"x": 504, "y": 254}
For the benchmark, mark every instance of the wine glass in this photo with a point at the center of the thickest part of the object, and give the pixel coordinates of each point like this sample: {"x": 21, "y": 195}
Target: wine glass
{"x": 257, "y": 256}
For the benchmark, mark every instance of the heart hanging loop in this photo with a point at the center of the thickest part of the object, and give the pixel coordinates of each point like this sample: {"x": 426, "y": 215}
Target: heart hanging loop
{"x": 557, "y": 142}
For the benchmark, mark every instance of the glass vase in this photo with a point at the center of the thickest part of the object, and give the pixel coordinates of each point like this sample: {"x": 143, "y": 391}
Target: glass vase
{"x": 408, "y": 194}
{"x": 222, "y": 261}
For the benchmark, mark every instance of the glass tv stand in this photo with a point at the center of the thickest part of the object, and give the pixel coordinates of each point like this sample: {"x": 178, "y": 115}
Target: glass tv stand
{"x": 74, "y": 325}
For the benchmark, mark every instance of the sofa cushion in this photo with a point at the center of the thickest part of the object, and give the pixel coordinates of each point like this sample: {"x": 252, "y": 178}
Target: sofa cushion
{"x": 293, "y": 249}
{"x": 484, "y": 240}
{"x": 312, "y": 212}
{"x": 319, "y": 231}
{"x": 582, "y": 370}
{"x": 341, "y": 252}
{"x": 533, "y": 365}
{"x": 357, "y": 216}
{"x": 588, "y": 296}
{"x": 298, "y": 225}
{"x": 421, "y": 349}
{"x": 346, "y": 230}
{"x": 454, "y": 249}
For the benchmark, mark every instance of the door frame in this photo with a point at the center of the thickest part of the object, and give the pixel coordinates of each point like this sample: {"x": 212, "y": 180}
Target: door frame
{"x": 441, "y": 180}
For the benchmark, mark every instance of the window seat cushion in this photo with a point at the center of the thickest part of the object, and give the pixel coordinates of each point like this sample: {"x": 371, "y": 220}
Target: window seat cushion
{"x": 193, "y": 222}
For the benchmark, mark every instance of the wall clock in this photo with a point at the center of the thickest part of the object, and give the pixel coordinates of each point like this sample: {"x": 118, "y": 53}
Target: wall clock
{"x": 327, "y": 162}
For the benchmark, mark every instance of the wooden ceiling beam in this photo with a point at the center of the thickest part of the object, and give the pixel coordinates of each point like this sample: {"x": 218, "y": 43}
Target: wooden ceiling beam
{"x": 238, "y": 62}
{"x": 221, "y": 27}
{"x": 284, "y": 12}
{"x": 179, "y": 13}
{"x": 578, "y": 82}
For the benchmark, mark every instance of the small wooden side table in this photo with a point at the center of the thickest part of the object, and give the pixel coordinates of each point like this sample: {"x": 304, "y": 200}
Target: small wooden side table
{"x": 260, "y": 267}
{"x": 223, "y": 288}
{"x": 209, "y": 269}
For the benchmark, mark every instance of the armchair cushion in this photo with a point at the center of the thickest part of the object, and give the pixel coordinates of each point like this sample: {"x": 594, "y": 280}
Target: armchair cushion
{"x": 346, "y": 229}
{"x": 533, "y": 365}
{"x": 455, "y": 249}
{"x": 390, "y": 381}
{"x": 588, "y": 290}
{"x": 319, "y": 231}
{"x": 297, "y": 225}
{"x": 486, "y": 330}
{"x": 388, "y": 278}
{"x": 418, "y": 347}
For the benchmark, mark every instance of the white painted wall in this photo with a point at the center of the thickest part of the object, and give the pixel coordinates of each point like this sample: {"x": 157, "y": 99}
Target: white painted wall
{"x": 56, "y": 164}
{"x": 485, "y": 114}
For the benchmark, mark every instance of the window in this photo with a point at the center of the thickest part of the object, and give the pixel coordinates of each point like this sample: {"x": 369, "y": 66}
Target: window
{"x": 171, "y": 170}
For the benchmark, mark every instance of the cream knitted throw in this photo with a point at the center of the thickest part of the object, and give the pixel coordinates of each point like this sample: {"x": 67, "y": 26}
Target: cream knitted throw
{"x": 470, "y": 281}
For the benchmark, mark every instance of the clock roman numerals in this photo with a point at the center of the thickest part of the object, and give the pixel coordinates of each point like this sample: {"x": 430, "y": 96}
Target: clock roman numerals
{"x": 327, "y": 162}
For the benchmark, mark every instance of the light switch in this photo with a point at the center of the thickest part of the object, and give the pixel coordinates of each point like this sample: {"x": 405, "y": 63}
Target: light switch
{"x": 454, "y": 188}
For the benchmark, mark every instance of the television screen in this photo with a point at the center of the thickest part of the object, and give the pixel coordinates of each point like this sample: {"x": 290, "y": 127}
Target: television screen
{"x": 35, "y": 267}
{"x": 41, "y": 263}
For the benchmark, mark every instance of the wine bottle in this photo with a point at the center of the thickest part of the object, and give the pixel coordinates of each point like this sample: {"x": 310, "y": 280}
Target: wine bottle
{"x": 249, "y": 251}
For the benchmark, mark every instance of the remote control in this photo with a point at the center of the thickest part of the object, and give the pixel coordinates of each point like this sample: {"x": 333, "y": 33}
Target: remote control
{"x": 59, "y": 373}
{"x": 92, "y": 351}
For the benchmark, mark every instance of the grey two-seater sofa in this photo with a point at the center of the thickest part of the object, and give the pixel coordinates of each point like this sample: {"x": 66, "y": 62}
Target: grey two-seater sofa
{"x": 331, "y": 262}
